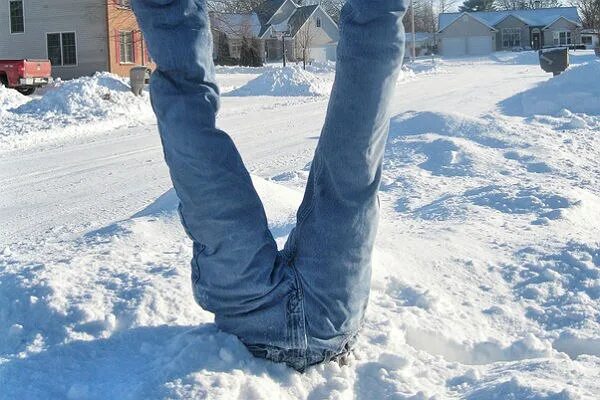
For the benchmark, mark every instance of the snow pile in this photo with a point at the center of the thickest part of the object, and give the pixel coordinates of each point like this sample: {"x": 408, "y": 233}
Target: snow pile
{"x": 72, "y": 108}
{"x": 288, "y": 81}
{"x": 421, "y": 68}
{"x": 485, "y": 312}
{"x": 238, "y": 69}
{"x": 486, "y": 271}
{"x": 10, "y": 98}
{"x": 321, "y": 67}
{"x": 88, "y": 98}
{"x": 576, "y": 90}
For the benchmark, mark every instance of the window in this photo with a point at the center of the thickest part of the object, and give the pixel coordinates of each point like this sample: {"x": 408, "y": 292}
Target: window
{"x": 62, "y": 48}
{"x": 124, "y": 3}
{"x": 586, "y": 40}
{"x": 318, "y": 22}
{"x": 562, "y": 38}
{"x": 17, "y": 20}
{"x": 511, "y": 37}
{"x": 126, "y": 47}
{"x": 235, "y": 48}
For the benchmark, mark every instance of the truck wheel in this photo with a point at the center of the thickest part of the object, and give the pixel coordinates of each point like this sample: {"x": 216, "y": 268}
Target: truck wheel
{"x": 26, "y": 91}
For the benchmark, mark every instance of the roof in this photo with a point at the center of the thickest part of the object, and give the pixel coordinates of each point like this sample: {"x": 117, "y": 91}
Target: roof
{"x": 419, "y": 36}
{"x": 236, "y": 25}
{"x": 473, "y": 16}
{"x": 266, "y": 10}
{"x": 299, "y": 18}
{"x": 537, "y": 17}
{"x": 257, "y": 24}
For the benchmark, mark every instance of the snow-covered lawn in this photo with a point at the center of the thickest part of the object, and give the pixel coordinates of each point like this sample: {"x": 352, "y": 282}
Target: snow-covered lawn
{"x": 487, "y": 267}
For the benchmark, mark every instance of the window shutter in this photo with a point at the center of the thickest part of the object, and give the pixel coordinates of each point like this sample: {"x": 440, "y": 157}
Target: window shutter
{"x": 147, "y": 55}
{"x": 134, "y": 45}
{"x": 117, "y": 46}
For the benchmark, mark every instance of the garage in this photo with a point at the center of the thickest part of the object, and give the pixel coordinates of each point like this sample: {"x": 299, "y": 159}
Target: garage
{"x": 323, "y": 53}
{"x": 466, "y": 46}
{"x": 454, "y": 46}
{"x": 479, "y": 45}
{"x": 463, "y": 35}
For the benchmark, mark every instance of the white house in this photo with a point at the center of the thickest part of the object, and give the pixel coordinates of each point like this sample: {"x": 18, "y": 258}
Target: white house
{"x": 272, "y": 22}
{"x": 589, "y": 38}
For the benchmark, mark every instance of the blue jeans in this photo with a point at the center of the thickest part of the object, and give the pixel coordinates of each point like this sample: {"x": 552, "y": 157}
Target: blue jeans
{"x": 305, "y": 304}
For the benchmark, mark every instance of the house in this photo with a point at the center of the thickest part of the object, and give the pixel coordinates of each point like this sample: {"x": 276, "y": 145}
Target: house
{"x": 482, "y": 32}
{"x": 79, "y": 37}
{"x": 303, "y": 29}
{"x": 424, "y": 43}
{"x": 589, "y": 38}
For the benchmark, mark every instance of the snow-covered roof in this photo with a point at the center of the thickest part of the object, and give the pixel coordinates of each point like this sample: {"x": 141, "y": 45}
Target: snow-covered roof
{"x": 236, "y": 25}
{"x": 419, "y": 36}
{"x": 538, "y": 17}
{"x": 299, "y": 18}
{"x": 267, "y": 8}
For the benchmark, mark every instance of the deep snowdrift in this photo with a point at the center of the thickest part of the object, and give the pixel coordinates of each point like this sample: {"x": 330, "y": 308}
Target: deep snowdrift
{"x": 486, "y": 280}
{"x": 481, "y": 287}
{"x": 576, "y": 90}
{"x": 289, "y": 81}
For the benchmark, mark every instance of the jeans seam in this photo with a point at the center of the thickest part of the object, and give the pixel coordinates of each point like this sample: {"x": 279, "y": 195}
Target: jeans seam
{"x": 310, "y": 207}
{"x": 299, "y": 339}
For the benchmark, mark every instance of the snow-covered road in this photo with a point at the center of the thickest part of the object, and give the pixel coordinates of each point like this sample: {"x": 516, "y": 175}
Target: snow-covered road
{"x": 88, "y": 182}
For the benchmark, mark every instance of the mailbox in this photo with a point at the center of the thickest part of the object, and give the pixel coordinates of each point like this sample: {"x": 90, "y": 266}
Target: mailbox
{"x": 554, "y": 61}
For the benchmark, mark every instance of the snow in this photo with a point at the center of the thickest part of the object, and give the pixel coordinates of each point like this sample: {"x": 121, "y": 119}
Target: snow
{"x": 486, "y": 280}
{"x": 288, "y": 81}
{"x": 74, "y": 107}
{"x": 569, "y": 91}
{"x": 10, "y": 98}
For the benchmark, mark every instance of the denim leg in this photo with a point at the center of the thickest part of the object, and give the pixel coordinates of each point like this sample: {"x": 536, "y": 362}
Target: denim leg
{"x": 236, "y": 271}
{"x": 332, "y": 243}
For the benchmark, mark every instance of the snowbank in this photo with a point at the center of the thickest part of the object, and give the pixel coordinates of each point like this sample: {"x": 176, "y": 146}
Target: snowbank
{"x": 321, "y": 67}
{"x": 87, "y": 98}
{"x": 10, "y": 98}
{"x": 70, "y": 108}
{"x": 288, "y": 81}
{"x": 576, "y": 90}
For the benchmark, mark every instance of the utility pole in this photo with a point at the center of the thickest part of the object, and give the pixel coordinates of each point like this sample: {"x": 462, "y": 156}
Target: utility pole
{"x": 283, "y": 49}
{"x": 282, "y": 35}
{"x": 414, "y": 36}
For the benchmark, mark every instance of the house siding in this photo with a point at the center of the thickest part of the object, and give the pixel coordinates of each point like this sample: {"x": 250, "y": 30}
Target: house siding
{"x": 513, "y": 22}
{"x": 87, "y": 19}
{"x": 123, "y": 19}
{"x": 468, "y": 27}
{"x": 323, "y": 38}
{"x": 328, "y": 33}
{"x": 562, "y": 25}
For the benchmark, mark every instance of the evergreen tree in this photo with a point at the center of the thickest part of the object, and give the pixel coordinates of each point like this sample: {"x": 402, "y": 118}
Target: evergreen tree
{"x": 477, "y": 5}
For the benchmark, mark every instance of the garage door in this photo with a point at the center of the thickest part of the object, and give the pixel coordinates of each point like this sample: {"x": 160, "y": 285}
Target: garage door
{"x": 479, "y": 45}
{"x": 454, "y": 46}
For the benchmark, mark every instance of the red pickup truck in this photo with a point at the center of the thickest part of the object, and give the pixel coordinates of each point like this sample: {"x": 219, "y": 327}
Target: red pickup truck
{"x": 25, "y": 75}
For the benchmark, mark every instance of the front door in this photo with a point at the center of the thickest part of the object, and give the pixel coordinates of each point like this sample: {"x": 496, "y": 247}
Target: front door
{"x": 536, "y": 40}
